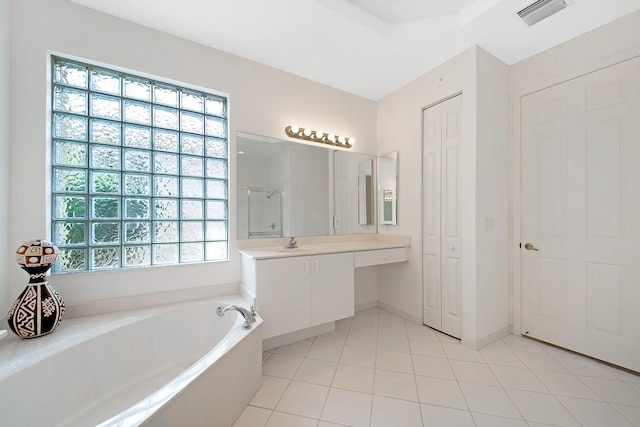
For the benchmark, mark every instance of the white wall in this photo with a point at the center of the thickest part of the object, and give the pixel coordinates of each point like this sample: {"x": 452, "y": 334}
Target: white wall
{"x": 5, "y": 259}
{"x": 602, "y": 47}
{"x": 492, "y": 199}
{"x": 483, "y": 80}
{"x": 263, "y": 101}
{"x": 400, "y": 129}
{"x": 366, "y": 287}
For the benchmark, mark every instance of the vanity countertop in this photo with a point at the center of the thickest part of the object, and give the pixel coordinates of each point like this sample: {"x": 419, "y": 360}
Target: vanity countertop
{"x": 320, "y": 249}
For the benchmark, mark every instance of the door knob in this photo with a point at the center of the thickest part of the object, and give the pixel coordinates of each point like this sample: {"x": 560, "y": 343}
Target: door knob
{"x": 530, "y": 247}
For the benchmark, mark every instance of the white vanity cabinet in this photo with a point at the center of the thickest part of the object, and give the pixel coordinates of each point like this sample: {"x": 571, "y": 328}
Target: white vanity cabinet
{"x": 298, "y": 292}
{"x": 332, "y": 288}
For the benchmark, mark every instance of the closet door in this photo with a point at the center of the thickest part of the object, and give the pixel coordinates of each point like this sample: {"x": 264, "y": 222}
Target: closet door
{"x": 451, "y": 217}
{"x": 431, "y": 206}
{"x": 442, "y": 236}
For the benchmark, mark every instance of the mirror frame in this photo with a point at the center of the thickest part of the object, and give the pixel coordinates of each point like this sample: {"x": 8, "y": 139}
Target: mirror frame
{"x": 388, "y": 188}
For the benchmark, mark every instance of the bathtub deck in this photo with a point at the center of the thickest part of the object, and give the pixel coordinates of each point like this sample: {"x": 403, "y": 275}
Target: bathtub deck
{"x": 120, "y": 400}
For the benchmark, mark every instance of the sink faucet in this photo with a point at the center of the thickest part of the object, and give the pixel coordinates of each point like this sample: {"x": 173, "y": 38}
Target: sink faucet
{"x": 248, "y": 315}
{"x": 292, "y": 243}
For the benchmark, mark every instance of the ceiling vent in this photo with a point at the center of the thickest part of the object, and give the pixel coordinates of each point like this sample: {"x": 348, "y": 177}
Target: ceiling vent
{"x": 540, "y": 10}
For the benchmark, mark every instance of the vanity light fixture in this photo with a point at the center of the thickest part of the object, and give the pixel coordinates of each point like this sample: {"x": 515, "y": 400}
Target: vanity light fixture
{"x": 320, "y": 137}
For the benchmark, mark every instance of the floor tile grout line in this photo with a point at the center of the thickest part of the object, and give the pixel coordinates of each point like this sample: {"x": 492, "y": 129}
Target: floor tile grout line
{"x": 544, "y": 394}
{"x": 513, "y": 350}
{"x": 569, "y": 412}
{"x": 524, "y": 369}
{"x": 620, "y": 413}
{"x": 413, "y": 370}
{"x": 604, "y": 399}
{"x": 290, "y": 379}
{"x": 458, "y": 384}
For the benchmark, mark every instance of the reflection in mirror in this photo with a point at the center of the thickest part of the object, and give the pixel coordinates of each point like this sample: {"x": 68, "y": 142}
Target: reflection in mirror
{"x": 353, "y": 211}
{"x": 365, "y": 192}
{"x": 298, "y": 177}
{"x": 294, "y": 189}
{"x": 388, "y": 198}
{"x": 263, "y": 209}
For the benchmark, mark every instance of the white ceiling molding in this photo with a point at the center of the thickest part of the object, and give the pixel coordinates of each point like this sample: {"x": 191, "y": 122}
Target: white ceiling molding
{"x": 358, "y": 15}
{"x": 475, "y": 10}
{"x": 307, "y": 37}
{"x": 401, "y": 11}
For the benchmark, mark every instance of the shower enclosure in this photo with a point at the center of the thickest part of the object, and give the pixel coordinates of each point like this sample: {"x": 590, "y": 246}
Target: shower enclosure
{"x": 259, "y": 212}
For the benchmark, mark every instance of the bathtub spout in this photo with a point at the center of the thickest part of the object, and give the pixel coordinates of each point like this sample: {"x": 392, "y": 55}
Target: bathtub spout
{"x": 249, "y": 316}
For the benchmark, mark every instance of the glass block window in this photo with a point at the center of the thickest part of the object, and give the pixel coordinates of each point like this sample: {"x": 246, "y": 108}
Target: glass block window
{"x": 139, "y": 170}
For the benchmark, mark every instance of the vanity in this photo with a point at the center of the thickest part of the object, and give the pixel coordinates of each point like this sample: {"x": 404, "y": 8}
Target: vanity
{"x": 327, "y": 196}
{"x": 311, "y": 285}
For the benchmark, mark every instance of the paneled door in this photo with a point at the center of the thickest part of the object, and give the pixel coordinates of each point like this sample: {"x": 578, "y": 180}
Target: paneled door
{"x": 581, "y": 214}
{"x": 441, "y": 222}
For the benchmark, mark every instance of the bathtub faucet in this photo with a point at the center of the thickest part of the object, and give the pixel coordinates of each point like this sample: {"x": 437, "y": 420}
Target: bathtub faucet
{"x": 249, "y": 316}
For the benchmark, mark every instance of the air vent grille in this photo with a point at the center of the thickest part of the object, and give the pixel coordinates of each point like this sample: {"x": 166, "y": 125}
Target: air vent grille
{"x": 540, "y": 10}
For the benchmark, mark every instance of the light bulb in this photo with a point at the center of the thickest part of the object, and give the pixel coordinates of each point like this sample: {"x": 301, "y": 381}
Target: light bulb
{"x": 352, "y": 141}
{"x": 341, "y": 139}
{"x": 319, "y": 135}
{"x": 307, "y": 132}
{"x": 331, "y": 137}
{"x": 295, "y": 129}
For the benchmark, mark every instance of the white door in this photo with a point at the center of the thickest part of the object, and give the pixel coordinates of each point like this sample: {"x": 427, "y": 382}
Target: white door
{"x": 332, "y": 288}
{"x": 581, "y": 214}
{"x": 283, "y": 294}
{"x": 442, "y": 232}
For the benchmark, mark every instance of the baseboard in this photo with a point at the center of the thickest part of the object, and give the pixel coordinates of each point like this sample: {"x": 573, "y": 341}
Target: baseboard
{"x": 493, "y": 337}
{"x": 477, "y": 344}
{"x": 401, "y": 313}
{"x": 302, "y": 334}
{"x": 366, "y": 305}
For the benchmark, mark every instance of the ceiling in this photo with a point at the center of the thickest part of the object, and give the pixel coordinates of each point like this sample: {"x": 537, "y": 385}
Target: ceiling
{"x": 366, "y": 47}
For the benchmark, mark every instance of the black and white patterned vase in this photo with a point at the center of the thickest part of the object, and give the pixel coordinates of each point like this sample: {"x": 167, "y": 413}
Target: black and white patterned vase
{"x": 39, "y": 309}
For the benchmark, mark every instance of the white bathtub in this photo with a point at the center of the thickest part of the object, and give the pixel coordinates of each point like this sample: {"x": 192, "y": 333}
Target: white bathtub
{"x": 175, "y": 365}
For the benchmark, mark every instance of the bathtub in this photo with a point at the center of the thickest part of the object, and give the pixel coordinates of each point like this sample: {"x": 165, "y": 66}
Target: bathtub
{"x": 174, "y": 365}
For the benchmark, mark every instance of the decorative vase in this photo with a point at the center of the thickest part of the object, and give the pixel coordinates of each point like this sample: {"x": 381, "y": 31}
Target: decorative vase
{"x": 39, "y": 309}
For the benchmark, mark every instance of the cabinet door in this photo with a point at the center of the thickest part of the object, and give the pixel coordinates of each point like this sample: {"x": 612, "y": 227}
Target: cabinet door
{"x": 283, "y": 294}
{"x": 332, "y": 288}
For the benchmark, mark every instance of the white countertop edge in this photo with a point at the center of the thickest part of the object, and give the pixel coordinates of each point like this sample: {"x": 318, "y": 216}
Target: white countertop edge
{"x": 269, "y": 252}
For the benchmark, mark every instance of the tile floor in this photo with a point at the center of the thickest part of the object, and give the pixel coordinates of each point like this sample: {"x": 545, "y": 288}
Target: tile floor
{"x": 379, "y": 370}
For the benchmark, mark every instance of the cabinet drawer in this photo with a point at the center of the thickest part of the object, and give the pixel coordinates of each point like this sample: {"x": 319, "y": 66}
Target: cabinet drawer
{"x": 381, "y": 256}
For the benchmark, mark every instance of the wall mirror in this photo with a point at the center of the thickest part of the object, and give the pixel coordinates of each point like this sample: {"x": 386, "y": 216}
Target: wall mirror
{"x": 388, "y": 189}
{"x": 365, "y": 192}
{"x": 293, "y": 189}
